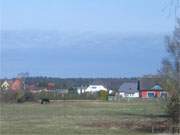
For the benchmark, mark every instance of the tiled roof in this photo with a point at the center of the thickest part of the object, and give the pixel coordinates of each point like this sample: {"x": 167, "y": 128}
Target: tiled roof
{"x": 129, "y": 87}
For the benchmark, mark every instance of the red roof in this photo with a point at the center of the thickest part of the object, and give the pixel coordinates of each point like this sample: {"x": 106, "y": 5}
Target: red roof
{"x": 17, "y": 85}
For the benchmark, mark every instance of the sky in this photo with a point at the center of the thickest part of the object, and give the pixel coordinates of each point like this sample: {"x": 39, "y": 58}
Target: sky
{"x": 116, "y": 29}
{"x": 87, "y": 15}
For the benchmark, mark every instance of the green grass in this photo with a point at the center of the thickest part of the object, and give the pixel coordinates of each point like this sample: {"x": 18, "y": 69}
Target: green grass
{"x": 74, "y": 117}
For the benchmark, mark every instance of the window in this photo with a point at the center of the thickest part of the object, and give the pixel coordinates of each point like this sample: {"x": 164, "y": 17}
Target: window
{"x": 151, "y": 94}
{"x": 163, "y": 94}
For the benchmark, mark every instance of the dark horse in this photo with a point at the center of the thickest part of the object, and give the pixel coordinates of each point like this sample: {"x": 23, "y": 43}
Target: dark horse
{"x": 45, "y": 100}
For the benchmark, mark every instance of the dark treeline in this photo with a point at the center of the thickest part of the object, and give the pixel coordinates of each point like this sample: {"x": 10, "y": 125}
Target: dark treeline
{"x": 110, "y": 83}
{"x": 71, "y": 83}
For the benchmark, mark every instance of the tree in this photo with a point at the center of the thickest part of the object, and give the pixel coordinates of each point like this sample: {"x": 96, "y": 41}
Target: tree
{"x": 171, "y": 74}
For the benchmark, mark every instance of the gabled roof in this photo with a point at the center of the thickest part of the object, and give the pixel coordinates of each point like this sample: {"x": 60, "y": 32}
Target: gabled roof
{"x": 129, "y": 87}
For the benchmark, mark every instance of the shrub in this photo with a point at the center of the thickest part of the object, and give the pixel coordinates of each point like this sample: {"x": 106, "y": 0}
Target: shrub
{"x": 7, "y": 96}
{"x": 173, "y": 107}
{"x": 103, "y": 95}
{"x": 16, "y": 96}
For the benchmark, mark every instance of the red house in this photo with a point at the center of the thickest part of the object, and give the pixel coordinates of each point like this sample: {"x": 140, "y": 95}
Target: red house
{"x": 153, "y": 91}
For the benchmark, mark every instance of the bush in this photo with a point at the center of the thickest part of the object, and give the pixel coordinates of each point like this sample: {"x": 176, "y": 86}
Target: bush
{"x": 174, "y": 109}
{"x": 20, "y": 96}
{"x": 68, "y": 96}
{"x": 7, "y": 96}
{"x": 16, "y": 96}
{"x": 28, "y": 96}
{"x": 103, "y": 95}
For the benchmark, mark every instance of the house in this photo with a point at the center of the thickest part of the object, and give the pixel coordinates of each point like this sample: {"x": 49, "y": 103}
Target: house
{"x": 5, "y": 85}
{"x": 151, "y": 87}
{"x": 129, "y": 89}
{"x": 153, "y": 91}
{"x": 95, "y": 88}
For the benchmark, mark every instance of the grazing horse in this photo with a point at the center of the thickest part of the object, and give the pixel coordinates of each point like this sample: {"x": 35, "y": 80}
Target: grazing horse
{"x": 45, "y": 100}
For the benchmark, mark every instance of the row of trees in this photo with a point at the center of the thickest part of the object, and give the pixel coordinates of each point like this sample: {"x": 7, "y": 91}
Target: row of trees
{"x": 110, "y": 83}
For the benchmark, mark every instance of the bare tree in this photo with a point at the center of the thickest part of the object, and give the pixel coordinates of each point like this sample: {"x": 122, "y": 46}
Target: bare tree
{"x": 171, "y": 74}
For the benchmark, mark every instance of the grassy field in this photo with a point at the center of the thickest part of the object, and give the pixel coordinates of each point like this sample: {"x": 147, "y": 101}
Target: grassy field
{"x": 76, "y": 117}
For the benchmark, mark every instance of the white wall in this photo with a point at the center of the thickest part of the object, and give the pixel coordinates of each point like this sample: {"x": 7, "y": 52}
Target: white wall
{"x": 122, "y": 94}
{"x": 80, "y": 90}
{"x": 134, "y": 95}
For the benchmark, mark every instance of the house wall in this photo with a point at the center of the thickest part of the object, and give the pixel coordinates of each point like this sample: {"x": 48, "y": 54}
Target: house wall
{"x": 164, "y": 94}
{"x": 136, "y": 94}
{"x": 122, "y": 94}
{"x": 143, "y": 94}
{"x": 133, "y": 95}
{"x": 150, "y": 93}
{"x": 80, "y": 91}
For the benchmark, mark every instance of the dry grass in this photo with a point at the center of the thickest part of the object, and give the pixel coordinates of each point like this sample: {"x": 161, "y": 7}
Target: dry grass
{"x": 77, "y": 118}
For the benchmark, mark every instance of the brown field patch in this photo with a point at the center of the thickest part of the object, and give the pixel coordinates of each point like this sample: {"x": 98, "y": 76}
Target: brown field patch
{"x": 141, "y": 125}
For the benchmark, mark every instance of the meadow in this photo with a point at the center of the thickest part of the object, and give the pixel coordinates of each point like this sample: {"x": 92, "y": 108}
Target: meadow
{"x": 79, "y": 117}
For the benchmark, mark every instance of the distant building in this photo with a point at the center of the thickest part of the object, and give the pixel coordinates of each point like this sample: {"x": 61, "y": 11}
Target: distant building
{"x": 5, "y": 85}
{"x": 129, "y": 89}
{"x": 95, "y": 88}
{"x": 151, "y": 87}
{"x": 155, "y": 90}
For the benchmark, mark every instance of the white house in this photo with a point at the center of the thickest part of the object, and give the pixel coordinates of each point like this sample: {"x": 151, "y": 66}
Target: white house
{"x": 129, "y": 89}
{"x": 95, "y": 88}
{"x": 5, "y": 85}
